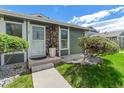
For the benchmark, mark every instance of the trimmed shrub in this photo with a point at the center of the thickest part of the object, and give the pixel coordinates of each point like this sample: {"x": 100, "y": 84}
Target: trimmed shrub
{"x": 12, "y": 43}
{"x": 98, "y": 45}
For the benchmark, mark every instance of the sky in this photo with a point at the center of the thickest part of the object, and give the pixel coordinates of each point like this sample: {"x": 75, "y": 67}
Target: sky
{"x": 102, "y": 18}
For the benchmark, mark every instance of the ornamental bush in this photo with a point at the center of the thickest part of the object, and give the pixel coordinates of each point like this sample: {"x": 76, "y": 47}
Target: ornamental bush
{"x": 97, "y": 45}
{"x": 12, "y": 43}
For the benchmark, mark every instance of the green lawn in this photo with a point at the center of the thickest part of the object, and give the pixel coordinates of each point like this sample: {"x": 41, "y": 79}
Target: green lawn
{"x": 122, "y": 50}
{"x": 109, "y": 74}
{"x": 24, "y": 81}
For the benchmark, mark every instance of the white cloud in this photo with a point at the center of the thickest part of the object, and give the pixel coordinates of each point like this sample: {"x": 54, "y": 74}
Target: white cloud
{"x": 110, "y": 25}
{"x": 117, "y": 9}
{"x": 95, "y": 17}
{"x": 89, "y": 18}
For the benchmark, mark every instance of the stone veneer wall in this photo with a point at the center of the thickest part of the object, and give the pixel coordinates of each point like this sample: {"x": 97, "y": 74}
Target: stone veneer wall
{"x": 9, "y": 72}
{"x": 52, "y": 38}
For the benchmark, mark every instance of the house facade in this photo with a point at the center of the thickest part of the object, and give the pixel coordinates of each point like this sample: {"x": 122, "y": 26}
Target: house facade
{"x": 41, "y": 32}
{"x": 116, "y": 36}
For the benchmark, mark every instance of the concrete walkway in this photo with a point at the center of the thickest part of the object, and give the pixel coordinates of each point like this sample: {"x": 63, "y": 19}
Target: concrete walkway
{"x": 49, "y": 78}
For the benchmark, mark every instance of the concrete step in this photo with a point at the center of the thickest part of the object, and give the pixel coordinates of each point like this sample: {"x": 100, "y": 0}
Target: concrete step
{"x": 42, "y": 67}
{"x": 43, "y": 61}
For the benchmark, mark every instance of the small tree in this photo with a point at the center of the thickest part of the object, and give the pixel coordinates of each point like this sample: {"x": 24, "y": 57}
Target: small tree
{"x": 97, "y": 45}
{"x": 12, "y": 43}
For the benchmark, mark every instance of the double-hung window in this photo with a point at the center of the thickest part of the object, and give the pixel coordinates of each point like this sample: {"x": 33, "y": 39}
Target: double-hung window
{"x": 64, "y": 39}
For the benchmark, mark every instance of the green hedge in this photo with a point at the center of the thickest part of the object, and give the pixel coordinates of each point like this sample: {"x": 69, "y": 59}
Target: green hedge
{"x": 98, "y": 45}
{"x": 12, "y": 43}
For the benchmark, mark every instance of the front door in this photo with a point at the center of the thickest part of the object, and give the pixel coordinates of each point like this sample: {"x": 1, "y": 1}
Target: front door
{"x": 37, "y": 41}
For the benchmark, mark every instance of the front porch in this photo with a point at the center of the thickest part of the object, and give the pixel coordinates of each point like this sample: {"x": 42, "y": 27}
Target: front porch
{"x": 47, "y": 60}
{"x": 54, "y": 60}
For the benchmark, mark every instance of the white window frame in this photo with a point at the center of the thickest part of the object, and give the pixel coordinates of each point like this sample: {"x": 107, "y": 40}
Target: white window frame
{"x": 11, "y": 22}
{"x": 66, "y": 30}
{"x": 68, "y": 40}
{"x": 2, "y": 27}
{"x": 29, "y": 36}
{"x": 23, "y": 36}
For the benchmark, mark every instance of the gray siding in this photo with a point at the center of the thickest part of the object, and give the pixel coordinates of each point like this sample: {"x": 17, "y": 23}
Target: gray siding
{"x": 0, "y": 59}
{"x": 74, "y": 35}
{"x": 121, "y": 42}
{"x": 15, "y": 58}
{"x": 122, "y": 34}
